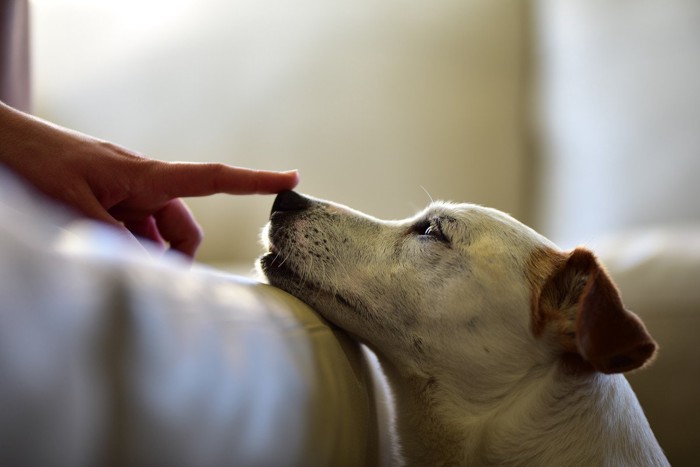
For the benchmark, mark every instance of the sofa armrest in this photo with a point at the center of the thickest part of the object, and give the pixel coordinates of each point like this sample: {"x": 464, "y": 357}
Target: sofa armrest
{"x": 108, "y": 357}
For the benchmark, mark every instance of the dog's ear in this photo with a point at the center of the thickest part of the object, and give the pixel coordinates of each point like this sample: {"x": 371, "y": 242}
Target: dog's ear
{"x": 580, "y": 303}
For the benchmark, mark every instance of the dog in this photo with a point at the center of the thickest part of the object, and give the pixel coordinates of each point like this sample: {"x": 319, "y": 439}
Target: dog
{"x": 499, "y": 348}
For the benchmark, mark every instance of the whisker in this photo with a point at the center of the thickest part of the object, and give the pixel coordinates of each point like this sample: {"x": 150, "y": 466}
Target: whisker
{"x": 283, "y": 261}
{"x": 427, "y": 193}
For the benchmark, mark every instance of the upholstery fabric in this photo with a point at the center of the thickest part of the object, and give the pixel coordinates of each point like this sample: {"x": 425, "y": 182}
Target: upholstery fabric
{"x": 111, "y": 357}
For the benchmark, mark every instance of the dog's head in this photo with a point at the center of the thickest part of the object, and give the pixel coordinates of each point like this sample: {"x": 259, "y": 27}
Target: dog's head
{"x": 458, "y": 287}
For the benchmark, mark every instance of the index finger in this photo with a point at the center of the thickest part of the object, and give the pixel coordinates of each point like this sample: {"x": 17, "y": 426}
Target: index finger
{"x": 183, "y": 179}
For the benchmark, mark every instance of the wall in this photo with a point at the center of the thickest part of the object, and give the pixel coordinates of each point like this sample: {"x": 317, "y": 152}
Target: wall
{"x": 620, "y": 116}
{"x": 376, "y": 102}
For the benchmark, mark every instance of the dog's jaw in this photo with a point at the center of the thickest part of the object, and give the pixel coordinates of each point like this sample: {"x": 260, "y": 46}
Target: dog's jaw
{"x": 282, "y": 273}
{"x": 283, "y": 270}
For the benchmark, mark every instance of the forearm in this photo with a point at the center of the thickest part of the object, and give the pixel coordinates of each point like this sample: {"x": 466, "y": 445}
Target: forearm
{"x": 19, "y": 132}
{"x": 15, "y": 83}
{"x": 30, "y": 146}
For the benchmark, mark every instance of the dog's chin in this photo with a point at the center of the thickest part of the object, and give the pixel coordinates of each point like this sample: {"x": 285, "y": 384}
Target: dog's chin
{"x": 343, "y": 311}
{"x": 277, "y": 273}
{"x": 283, "y": 275}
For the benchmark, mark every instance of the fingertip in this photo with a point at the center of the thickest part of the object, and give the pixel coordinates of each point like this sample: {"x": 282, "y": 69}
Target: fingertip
{"x": 271, "y": 182}
{"x": 294, "y": 177}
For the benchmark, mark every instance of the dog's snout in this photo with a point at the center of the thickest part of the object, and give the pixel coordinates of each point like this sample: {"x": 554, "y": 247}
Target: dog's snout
{"x": 290, "y": 201}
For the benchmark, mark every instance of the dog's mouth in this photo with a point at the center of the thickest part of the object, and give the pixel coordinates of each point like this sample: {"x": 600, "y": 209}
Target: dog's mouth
{"x": 273, "y": 264}
{"x": 282, "y": 273}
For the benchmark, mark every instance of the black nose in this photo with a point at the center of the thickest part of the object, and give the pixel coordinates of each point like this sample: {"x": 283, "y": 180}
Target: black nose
{"x": 290, "y": 201}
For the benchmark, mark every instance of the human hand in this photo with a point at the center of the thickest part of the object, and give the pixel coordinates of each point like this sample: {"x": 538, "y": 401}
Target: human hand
{"x": 111, "y": 184}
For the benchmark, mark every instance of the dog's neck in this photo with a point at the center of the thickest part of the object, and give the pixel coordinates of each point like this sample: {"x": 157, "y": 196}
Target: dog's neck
{"x": 548, "y": 420}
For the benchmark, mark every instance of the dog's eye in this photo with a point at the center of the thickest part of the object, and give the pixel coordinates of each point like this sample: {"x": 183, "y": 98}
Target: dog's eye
{"x": 431, "y": 230}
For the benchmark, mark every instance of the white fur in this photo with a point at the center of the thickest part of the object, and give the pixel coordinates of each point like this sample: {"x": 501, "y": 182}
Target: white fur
{"x": 451, "y": 324}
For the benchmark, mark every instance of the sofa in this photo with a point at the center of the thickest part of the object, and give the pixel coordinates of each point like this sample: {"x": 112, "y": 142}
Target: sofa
{"x": 578, "y": 117}
{"x": 115, "y": 355}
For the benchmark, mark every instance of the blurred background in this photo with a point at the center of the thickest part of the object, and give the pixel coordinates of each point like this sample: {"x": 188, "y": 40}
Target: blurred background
{"x": 579, "y": 117}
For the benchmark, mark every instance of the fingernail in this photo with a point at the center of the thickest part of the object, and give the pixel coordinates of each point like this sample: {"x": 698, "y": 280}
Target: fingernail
{"x": 294, "y": 172}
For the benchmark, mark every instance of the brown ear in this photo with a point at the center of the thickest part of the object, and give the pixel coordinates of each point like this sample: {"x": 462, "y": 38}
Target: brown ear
{"x": 591, "y": 318}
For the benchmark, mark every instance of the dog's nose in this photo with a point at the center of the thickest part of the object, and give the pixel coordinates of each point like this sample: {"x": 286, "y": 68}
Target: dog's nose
{"x": 290, "y": 201}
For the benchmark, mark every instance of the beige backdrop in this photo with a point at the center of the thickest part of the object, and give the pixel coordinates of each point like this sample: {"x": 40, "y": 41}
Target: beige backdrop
{"x": 374, "y": 101}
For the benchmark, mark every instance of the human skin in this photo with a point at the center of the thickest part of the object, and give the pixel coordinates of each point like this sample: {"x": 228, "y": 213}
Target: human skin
{"x": 109, "y": 183}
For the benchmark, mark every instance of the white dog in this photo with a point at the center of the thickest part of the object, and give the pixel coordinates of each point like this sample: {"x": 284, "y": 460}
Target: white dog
{"x": 499, "y": 348}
